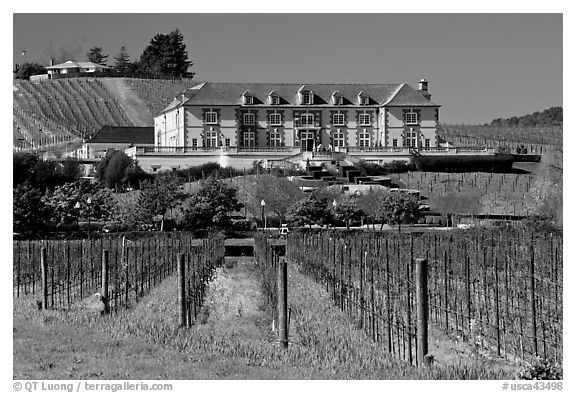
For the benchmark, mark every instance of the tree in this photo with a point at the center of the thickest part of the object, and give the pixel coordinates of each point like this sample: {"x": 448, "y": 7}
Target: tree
{"x": 369, "y": 202}
{"x": 71, "y": 170}
{"x": 22, "y": 164}
{"x": 45, "y": 175}
{"x": 30, "y": 214}
{"x": 116, "y": 169}
{"x": 68, "y": 202}
{"x": 122, "y": 60}
{"x": 278, "y": 193}
{"x": 310, "y": 211}
{"x": 468, "y": 202}
{"x": 397, "y": 208}
{"x": 347, "y": 210}
{"x": 158, "y": 196}
{"x": 26, "y": 70}
{"x": 211, "y": 206}
{"x": 166, "y": 55}
{"x": 114, "y": 175}
{"x": 96, "y": 56}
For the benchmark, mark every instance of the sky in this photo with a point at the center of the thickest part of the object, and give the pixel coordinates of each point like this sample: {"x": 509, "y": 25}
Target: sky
{"x": 479, "y": 66}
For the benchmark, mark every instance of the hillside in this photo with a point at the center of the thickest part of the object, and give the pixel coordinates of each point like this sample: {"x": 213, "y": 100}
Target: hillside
{"x": 548, "y": 117}
{"x": 65, "y": 109}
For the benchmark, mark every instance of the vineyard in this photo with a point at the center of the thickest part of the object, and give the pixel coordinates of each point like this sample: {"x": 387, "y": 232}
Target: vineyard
{"x": 50, "y": 112}
{"x": 501, "y": 193}
{"x": 158, "y": 93}
{"x": 545, "y": 141}
{"x": 500, "y": 291}
{"x": 74, "y": 268}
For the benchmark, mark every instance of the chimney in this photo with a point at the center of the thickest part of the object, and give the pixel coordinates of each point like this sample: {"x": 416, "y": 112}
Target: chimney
{"x": 51, "y": 62}
{"x": 423, "y": 88}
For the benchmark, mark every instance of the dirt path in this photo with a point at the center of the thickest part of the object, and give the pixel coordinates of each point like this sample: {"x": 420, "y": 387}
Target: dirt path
{"x": 133, "y": 106}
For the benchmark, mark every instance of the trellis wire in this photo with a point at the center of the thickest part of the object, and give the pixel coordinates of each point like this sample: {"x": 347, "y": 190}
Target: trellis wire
{"x": 479, "y": 286}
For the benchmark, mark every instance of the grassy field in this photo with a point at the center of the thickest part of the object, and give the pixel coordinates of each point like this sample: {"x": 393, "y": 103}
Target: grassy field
{"x": 233, "y": 341}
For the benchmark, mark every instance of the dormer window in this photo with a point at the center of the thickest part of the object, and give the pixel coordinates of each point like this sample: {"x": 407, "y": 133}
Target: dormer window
{"x": 247, "y": 98}
{"x": 411, "y": 118}
{"x": 307, "y": 98}
{"x": 273, "y": 98}
{"x": 363, "y": 99}
{"x": 337, "y": 99}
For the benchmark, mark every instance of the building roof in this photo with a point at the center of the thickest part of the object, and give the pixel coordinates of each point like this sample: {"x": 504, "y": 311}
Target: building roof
{"x": 183, "y": 97}
{"x": 407, "y": 96}
{"x": 231, "y": 94}
{"x": 134, "y": 135}
{"x": 76, "y": 64}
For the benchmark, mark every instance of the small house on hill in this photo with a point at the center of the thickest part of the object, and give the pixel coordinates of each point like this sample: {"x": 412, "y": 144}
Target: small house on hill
{"x": 119, "y": 138}
{"x": 75, "y": 67}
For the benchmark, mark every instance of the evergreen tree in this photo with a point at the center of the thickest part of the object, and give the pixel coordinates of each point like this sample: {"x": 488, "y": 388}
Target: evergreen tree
{"x": 122, "y": 60}
{"x": 166, "y": 55}
{"x": 96, "y": 56}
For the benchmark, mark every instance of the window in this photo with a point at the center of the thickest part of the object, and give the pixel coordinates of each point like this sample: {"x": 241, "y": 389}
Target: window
{"x": 307, "y": 98}
{"x": 411, "y": 139}
{"x": 395, "y": 142}
{"x": 427, "y": 142}
{"x": 194, "y": 142}
{"x": 211, "y": 117}
{"x": 338, "y": 119}
{"x": 365, "y": 119}
{"x": 364, "y": 139}
{"x": 275, "y": 119}
{"x": 339, "y": 100}
{"x": 364, "y": 100}
{"x": 227, "y": 142}
{"x": 338, "y": 139}
{"x": 248, "y": 100}
{"x": 211, "y": 139}
{"x": 274, "y": 100}
{"x": 275, "y": 138}
{"x": 411, "y": 118}
{"x": 248, "y": 119}
{"x": 307, "y": 119}
{"x": 249, "y": 138}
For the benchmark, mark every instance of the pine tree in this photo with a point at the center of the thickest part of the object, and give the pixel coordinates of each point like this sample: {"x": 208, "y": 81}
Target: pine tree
{"x": 96, "y": 56}
{"x": 122, "y": 60}
{"x": 166, "y": 55}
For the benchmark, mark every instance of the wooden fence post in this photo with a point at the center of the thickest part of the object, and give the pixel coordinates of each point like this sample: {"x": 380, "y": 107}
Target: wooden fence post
{"x": 105, "y": 300}
{"x": 532, "y": 289}
{"x": 44, "y": 267}
{"x": 422, "y": 309}
{"x": 182, "y": 289}
{"x": 283, "y": 303}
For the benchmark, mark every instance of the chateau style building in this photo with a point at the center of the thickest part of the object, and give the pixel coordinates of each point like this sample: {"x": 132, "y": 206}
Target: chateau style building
{"x": 240, "y": 122}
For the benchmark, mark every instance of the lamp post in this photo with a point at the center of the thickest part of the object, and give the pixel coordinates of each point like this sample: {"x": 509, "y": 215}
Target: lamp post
{"x": 89, "y": 202}
{"x": 263, "y": 217}
{"x": 77, "y": 207}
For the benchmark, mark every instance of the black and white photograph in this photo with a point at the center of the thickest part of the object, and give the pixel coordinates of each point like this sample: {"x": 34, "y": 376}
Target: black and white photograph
{"x": 267, "y": 195}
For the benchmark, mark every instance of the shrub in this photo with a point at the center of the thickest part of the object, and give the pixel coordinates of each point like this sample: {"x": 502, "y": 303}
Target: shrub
{"x": 541, "y": 369}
